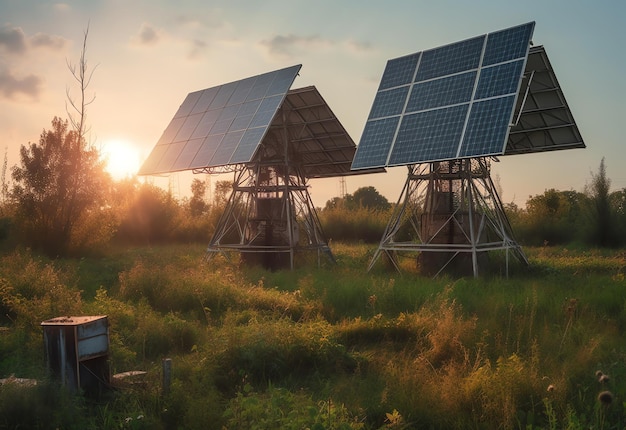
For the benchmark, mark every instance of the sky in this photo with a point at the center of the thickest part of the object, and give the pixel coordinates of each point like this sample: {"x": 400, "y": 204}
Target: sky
{"x": 147, "y": 55}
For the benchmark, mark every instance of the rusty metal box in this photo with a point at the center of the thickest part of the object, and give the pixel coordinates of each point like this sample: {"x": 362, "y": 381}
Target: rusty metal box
{"x": 76, "y": 350}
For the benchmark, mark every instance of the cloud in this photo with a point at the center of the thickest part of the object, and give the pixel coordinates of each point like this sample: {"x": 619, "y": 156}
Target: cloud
{"x": 284, "y": 45}
{"x": 48, "y": 41}
{"x": 62, "y": 7}
{"x": 11, "y": 86}
{"x": 359, "y": 46}
{"x": 288, "y": 45}
{"x": 147, "y": 35}
{"x": 13, "y": 39}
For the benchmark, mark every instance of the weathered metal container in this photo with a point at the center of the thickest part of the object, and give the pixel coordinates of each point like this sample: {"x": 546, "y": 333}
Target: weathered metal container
{"x": 76, "y": 350}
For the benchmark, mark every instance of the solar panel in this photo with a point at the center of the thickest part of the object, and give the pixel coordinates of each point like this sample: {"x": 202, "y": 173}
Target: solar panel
{"x": 445, "y": 103}
{"x": 221, "y": 125}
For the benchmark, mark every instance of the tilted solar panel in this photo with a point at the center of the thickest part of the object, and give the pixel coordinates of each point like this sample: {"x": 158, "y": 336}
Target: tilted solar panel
{"x": 221, "y": 125}
{"x": 450, "y": 102}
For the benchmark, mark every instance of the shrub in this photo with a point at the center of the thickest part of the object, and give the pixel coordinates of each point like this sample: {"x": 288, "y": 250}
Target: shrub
{"x": 266, "y": 351}
{"x": 33, "y": 291}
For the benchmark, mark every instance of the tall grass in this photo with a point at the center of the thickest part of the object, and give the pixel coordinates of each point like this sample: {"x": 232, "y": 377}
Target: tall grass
{"x": 331, "y": 347}
{"x": 354, "y": 225}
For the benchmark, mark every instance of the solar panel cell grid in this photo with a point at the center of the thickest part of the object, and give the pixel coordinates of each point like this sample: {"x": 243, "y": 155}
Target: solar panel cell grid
{"x": 247, "y": 146}
{"x": 240, "y": 94}
{"x": 206, "y": 151}
{"x": 170, "y": 156}
{"x": 170, "y": 132}
{"x": 379, "y": 135}
{"x": 205, "y": 100}
{"x": 461, "y": 98}
{"x": 226, "y": 149}
{"x": 188, "y": 127}
{"x": 499, "y": 80}
{"x": 250, "y": 107}
{"x": 431, "y": 135}
{"x": 450, "y": 59}
{"x": 262, "y": 119}
{"x": 188, "y": 104}
{"x": 442, "y": 92}
{"x": 187, "y": 154}
{"x": 389, "y": 103}
{"x": 399, "y": 71}
{"x": 223, "y": 95}
{"x": 506, "y": 45}
{"x": 205, "y": 125}
{"x": 487, "y": 127}
{"x": 241, "y": 122}
{"x": 216, "y": 118}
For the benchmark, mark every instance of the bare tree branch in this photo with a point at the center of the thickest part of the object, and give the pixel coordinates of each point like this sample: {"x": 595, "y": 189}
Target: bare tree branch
{"x": 83, "y": 77}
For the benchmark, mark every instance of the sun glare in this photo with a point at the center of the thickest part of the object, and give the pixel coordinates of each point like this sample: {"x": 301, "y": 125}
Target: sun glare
{"x": 122, "y": 158}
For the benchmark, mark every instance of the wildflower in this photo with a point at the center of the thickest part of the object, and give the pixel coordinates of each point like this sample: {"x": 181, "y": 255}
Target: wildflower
{"x": 371, "y": 300}
{"x": 605, "y": 397}
{"x": 550, "y": 388}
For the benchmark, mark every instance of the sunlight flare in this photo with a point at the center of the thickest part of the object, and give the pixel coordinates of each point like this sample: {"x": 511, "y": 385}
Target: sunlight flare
{"x": 122, "y": 158}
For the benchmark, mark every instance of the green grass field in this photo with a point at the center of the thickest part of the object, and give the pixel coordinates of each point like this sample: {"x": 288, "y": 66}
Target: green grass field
{"x": 324, "y": 348}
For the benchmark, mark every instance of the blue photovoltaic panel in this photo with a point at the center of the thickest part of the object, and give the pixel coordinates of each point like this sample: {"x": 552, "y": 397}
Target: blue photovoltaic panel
{"x": 442, "y": 92}
{"x": 221, "y": 125}
{"x": 187, "y": 154}
{"x": 377, "y": 134}
{"x": 509, "y": 44}
{"x": 247, "y": 146}
{"x": 450, "y": 59}
{"x": 500, "y": 79}
{"x": 450, "y": 102}
{"x": 419, "y": 139}
{"x": 389, "y": 103}
{"x": 206, "y": 151}
{"x": 400, "y": 71}
{"x": 487, "y": 127}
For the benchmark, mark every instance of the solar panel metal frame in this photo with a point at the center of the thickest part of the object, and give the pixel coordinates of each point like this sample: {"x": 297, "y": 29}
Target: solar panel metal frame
{"x": 545, "y": 121}
{"x": 316, "y": 141}
{"x": 221, "y": 125}
{"x": 441, "y": 104}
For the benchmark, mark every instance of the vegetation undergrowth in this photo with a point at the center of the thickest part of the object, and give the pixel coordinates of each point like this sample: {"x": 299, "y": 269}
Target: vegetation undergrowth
{"x": 323, "y": 348}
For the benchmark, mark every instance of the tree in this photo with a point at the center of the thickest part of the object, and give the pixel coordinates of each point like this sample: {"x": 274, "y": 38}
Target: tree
{"x": 223, "y": 189}
{"x": 553, "y": 217}
{"x": 602, "y": 214}
{"x": 334, "y": 203}
{"x": 197, "y": 204}
{"x": 61, "y": 181}
{"x": 368, "y": 197}
{"x": 58, "y": 183}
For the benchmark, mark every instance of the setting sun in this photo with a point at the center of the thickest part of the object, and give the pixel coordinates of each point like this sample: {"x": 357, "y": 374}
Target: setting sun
{"x": 122, "y": 158}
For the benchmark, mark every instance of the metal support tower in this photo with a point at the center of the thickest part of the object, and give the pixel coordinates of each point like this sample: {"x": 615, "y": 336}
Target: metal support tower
{"x": 449, "y": 213}
{"x": 269, "y": 217}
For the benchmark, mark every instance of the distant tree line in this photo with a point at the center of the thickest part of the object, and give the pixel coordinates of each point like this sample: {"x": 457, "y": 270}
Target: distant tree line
{"x": 595, "y": 217}
{"x": 62, "y": 202}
